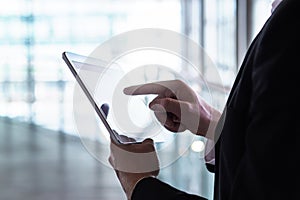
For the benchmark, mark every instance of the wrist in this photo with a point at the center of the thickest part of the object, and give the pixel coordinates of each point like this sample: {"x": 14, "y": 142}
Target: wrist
{"x": 212, "y": 124}
{"x": 208, "y": 119}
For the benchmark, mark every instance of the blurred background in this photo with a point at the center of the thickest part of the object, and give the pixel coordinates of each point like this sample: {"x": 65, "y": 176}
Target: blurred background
{"x": 41, "y": 156}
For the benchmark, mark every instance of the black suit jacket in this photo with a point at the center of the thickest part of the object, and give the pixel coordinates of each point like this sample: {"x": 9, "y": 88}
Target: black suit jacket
{"x": 257, "y": 151}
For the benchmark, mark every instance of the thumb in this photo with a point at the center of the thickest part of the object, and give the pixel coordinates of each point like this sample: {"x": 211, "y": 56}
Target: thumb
{"x": 170, "y": 105}
{"x": 105, "y": 109}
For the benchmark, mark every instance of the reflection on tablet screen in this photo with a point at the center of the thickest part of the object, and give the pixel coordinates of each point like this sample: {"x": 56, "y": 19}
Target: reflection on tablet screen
{"x": 128, "y": 115}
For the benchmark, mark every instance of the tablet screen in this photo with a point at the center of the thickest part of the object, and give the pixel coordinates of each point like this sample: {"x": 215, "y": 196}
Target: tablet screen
{"x": 101, "y": 85}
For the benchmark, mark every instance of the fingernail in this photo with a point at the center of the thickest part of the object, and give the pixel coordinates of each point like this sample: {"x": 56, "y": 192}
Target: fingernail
{"x": 125, "y": 91}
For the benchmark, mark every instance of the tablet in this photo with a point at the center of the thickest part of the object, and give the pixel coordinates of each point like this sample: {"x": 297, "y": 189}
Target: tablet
{"x": 76, "y": 63}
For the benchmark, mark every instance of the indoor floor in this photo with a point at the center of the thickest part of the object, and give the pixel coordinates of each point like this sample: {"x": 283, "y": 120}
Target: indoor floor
{"x": 36, "y": 164}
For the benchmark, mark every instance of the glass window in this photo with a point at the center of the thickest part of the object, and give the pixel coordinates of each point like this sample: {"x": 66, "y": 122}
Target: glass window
{"x": 261, "y": 12}
{"x": 220, "y": 37}
{"x": 37, "y": 87}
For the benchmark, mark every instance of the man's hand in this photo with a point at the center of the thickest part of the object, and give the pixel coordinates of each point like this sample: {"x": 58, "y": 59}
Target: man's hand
{"x": 176, "y": 106}
{"x": 133, "y": 162}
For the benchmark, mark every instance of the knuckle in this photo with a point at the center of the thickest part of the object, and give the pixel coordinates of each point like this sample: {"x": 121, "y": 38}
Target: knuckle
{"x": 178, "y": 82}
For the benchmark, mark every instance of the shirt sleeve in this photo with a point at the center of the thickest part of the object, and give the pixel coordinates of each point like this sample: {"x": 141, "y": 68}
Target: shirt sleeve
{"x": 209, "y": 156}
{"x": 209, "y": 152}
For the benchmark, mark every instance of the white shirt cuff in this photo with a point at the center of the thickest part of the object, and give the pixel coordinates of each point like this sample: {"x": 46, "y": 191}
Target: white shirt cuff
{"x": 210, "y": 152}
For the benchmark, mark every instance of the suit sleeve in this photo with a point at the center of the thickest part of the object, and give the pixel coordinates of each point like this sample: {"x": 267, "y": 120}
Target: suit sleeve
{"x": 152, "y": 188}
{"x": 272, "y": 133}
